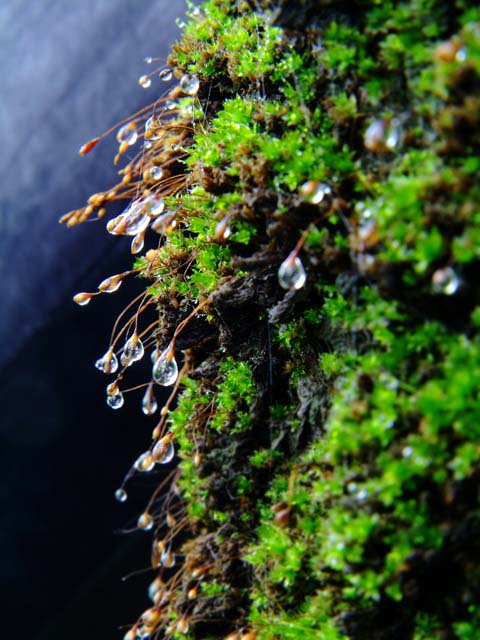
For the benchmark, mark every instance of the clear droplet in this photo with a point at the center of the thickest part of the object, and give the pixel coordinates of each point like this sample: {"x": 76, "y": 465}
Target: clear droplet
{"x": 149, "y": 402}
{"x": 167, "y": 559}
{"x": 374, "y": 136}
{"x": 153, "y": 588}
{"x": 393, "y": 135}
{"x": 165, "y": 75}
{"x": 154, "y": 206}
{"x": 108, "y": 363}
{"x": 170, "y": 105}
{"x": 121, "y": 495}
{"x": 127, "y": 133}
{"x": 163, "y": 452}
{"x": 222, "y": 229}
{"x": 133, "y": 350}
{"x": 144, "y": 81}
{"x": 445, "y": 281}
{"x": 148, "y": 59}
{"x": 82, "y": 299}
{"x": 461, "y": 55}
{"x": 145, "y": 462}
{"x": 153, "y": 128}
{"x": 145, "y": 521}
{"x": 160, "y": 224}
{"x": 115, "y": 398}
{"x": 189, "y": 84}
{"x": 138, "y": 243}
{"x": 183, "y": 626}
{"x": 112, "y": 284}
{"x": 155, "y": 173}
{"x": 130, "y": 222}
{"x": 321, "y": 193}
{"x": 291, "y": 274}
{"x": 165, "y": 369}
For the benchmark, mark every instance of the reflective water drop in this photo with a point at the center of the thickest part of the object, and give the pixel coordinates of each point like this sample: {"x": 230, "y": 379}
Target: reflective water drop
{"x": 154, "y": 206}
{"x": 316, "y": 192}
{"x": 108, "y": 363}
{"x": 170, "y": 520}
{"x": 170, "y": 105}
{"x": 144, "y": 632}
{"x": 392, "y": 137}
{"x": 445, "y": 281}
{"x": 145, "y": 521}
{"x": 155, "y": 173}
{"x": 147, "y": 144}
{"x": 162, "y": 222}
{"x": 145, "y": 462}
{"x": 121, "y": 495}
{"x": 155, "y": 355}
{"x": 164, "y": 451}
{"x": 148, "y": 59}
{"x": 222, "y": 229}
{"x": 130, "y": 222}
{"x": 112, "y": 284}
{"x": 154, "y": 587}
{"x": 127, "y": 133}
{"x": 149, "y": 402}
{"x": 138, "y": 243}
{"x": 461, "y": 55}
{"x": 291, "y": 274}
{"x": 189, "y": 84}
{"x": 115, "y": 398}
{"x": 82, "y": 299}
{"x": 374, "y": 136}
{"x": 144, "y": 81}
{"x": 165, "y": 369}
{"x": 167, "y": 559}
{"x": 182, "y": 625}
{"x": 165, "y": 75}
{"x": 133, "y": 349}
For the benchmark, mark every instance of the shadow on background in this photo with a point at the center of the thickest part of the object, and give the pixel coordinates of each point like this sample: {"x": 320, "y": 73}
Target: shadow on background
{"x": 69, "y": 71}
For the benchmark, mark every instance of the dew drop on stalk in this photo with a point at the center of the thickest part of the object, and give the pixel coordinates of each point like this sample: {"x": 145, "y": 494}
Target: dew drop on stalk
{"x": 145, "y": 521}
{"x": 108, "y": 363}
{"x": 445, "y": 281}
{"x": 189, "y": 84}
{"x": 316, "y": 192}
{"x": 154, "y": 587}
{"x": 82, "y": 299}
{"x": 133, "y": 350}
{"x": 167, "y": 559}
{"x": 165, "y": 369}
{"x": 165, "y": 75}
{"x": 144, "y": 462}
{"x": 148, "y": 59}
{"x": 115, "y": 398}
{"x": 144, "y": 82}
{"x": 162, "y": 222}
{"x": 155, "y": 173}
{"x": 223, "y": 229}
{"x": 164, "y": 451}
{"x": 291, "y": 274}
{"x": 138, "y": 243}
{"x": 127, "y": 133}
{"x": 154, "y": 206}
{"x": 112, "y": 284}
{"x": 121, "y": 495}
{"x": 131, "y": 221}
{"x": 149, "y": 402}
{"x": 183, "y": 625}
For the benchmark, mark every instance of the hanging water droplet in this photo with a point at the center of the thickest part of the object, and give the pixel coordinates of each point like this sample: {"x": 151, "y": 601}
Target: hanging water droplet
{"x": 149, "y": 402}
{"x": 189, "y": 84}
{"x": 315, "y": 191}
{"x": 131, "y": 221}
{"x": 291, "y": 274}
{"x": 128, "y": 134}
{"x": 147, "y": 144}
{"x": 115, "y": 398}
{"x": 170, "y": 105}
{"x": 392, "y": 135}
{"x": 165, "y": 75}
{"x": 167, "y": 559}
{"x": 222, "y": 229}
{"x": 145, "y": 462}
{"x": 182, "y": 625}
{"x": 445, "y": 281}
{"x": 145, "y": 521}
{"x": 144, "y": 81}
{"x": 154, "y": 587}
{"x": 121, "y": 495}
{"x": 144, "y": 632}
{"x": 155, "y": 355}
{"x": 155, "y": 173}
{"x": 112, "y": 284}
{"x": 138, "y": 243}
{"x": 164, "y": 451}
{"x": 160, "y": 224}
{"x": 165, "y": 369}
{"x": 108, "y": 363}
{"x": 133, "y": 350}
{"x": 148, "y": 59}
{"x": 83, "y": 298}
{"x": 154, "y": 206}
{"x": 461, "y": 55}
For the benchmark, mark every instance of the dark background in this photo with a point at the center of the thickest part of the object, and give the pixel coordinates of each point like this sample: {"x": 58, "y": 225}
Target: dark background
{"x": 68, "y": 71}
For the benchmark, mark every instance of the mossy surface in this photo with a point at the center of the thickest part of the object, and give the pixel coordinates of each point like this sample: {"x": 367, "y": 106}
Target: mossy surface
{"x": 328, "y": 435}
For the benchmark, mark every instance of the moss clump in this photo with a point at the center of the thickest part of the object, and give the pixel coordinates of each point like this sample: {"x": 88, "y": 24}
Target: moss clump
{"x": 328, "y": 427}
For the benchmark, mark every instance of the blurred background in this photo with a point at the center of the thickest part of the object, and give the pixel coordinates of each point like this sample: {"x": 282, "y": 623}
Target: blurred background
{"x": 69, "y": 71}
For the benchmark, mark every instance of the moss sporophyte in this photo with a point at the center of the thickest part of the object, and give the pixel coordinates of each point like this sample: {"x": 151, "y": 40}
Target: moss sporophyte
{"x": 307, "y": 189}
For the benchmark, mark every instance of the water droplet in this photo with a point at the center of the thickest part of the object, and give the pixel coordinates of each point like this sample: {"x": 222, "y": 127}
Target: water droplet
{"x": 155, "y": 173}
{"x": 189, "y": 84}
{"x": 149, "y": 402}
{"x": 138, "y": 243}
{"x": 392, "y": 137}
{"x": 291, "y": 274}
{"x": 407, "y": 452}
{"x": 170, "y": 520}
{"x": 362, "y": 495}
{"x": 108, "y": 363}
{"x": 148, "y": 59}
{"x": 445, "y": 281}
{"x": 461, "y": 55}
{"x": 144, "y": 632}
{"x": 144, "y": 81}
{"x": 170, "y": 105}
{"x": 222, "y": 229}
{"x": 133, "y": 350}
{"x": 145, "y": 521}
{"x": 121, "y": 495}
{"x": 82, "y": 299}
{"x": 147, "y": 144}
{"x": 182, "y": 625}
{"x": 154, "y": 587}
{"x": 155, "y": 355}
{"x": 132, "y": 221}
{"x": 180, "y": 23}
{"x": 374, "y": 136}
{"x": 165, "y": 369}
{"x": 115, "y": 398}
{"x": 112, "y": 284}
{"x": 316, "y": 192}
{"x": 164, "y": 451}
{"x": 165, "y": 75}
{"x": 127, "y": 133}
{"x": 160, "y": 224}
{"x": 145, "y": 462}
{"x": 131, "y": 634}
{"x": 154, "y": 206}
{"x": 167, "y": 559}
